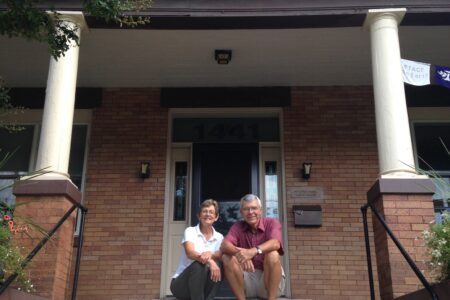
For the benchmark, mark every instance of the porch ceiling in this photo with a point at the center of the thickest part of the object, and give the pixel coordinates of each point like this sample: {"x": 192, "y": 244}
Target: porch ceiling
{"x": 181, "y": 58}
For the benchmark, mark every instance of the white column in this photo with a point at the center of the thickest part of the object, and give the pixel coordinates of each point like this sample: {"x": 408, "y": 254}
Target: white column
{"x": 395, "y": 151}
{"x": 57, "y": 119}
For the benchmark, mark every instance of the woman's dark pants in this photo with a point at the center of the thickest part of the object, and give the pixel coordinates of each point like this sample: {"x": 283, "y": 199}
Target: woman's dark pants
{"x": 195, "y": 283}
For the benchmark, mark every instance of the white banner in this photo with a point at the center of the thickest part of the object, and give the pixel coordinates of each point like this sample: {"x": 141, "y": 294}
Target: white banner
{"x": 415, "y": 73}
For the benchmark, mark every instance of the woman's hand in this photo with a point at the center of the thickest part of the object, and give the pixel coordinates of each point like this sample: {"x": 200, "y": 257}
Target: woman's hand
{"x": 205, "y": 257}
{"x": 215, "y": 271}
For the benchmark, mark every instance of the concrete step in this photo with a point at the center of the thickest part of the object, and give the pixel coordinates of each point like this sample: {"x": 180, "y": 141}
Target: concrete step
{"x": 13, "y": 294}
{"x": 232, "y": 298}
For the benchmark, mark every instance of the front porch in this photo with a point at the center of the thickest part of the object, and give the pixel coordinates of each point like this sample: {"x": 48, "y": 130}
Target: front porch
{"x": 331, "y": 256}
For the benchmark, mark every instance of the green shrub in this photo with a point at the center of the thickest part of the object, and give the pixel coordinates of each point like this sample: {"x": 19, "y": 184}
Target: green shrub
{"x": 437, "y": 240}
{"x": 11, "y": 255}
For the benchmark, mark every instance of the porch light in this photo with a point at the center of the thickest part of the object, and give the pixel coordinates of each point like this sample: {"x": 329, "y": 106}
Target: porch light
{"x": 306, "y": 171}
{"x": 223, "y": 57}
{"x": 145, "y": 170}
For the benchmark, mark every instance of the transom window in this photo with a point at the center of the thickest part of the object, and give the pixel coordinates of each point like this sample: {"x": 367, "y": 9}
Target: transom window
{"x": 226, "y": 130}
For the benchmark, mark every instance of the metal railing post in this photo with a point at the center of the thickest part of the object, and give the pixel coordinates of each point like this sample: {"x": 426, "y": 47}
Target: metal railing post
{"x": 369, "y": 257}
{"x": 77, "y": 262}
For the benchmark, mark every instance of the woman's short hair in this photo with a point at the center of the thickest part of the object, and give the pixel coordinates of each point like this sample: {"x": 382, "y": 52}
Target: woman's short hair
{"x": 251, "y": 197}
{"x": 208, "y": 203}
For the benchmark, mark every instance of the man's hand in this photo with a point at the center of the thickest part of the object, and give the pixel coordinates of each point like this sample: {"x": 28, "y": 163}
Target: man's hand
{"x": 244, "y": 257}
{"x": 248, "y": 266}
{"x": 215, "y": 271}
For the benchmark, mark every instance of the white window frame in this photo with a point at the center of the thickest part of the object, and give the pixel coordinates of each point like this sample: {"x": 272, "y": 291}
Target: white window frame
{"x": 431, "y": 115}
{"x": 34, "y": 117}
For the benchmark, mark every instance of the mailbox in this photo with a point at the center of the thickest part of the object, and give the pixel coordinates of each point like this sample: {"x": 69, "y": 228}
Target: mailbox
{"x": 307, "y": 215}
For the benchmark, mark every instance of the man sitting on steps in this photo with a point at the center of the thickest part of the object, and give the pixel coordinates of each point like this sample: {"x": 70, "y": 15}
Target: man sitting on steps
{"x": 252, "y": 253}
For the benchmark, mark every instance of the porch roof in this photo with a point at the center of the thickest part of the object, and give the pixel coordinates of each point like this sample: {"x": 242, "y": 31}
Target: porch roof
{"x": 274, "y": 43}
{"x": 233, "y": 14}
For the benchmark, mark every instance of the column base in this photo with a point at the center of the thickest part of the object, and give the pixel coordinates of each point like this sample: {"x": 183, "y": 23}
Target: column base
{"x": 407, "y": 208}
{"x": 45, "y": 202}
{"x": 403, "y": 174}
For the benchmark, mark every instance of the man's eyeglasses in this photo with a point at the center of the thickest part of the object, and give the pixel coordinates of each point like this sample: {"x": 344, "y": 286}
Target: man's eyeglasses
{"x": 250, "y": 209}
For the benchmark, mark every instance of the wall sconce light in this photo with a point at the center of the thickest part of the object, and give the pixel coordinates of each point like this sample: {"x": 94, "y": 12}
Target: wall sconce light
{"x": 223, "y": 57}
{"x": 306, "y": 171}
{"x": 145, "y": 170}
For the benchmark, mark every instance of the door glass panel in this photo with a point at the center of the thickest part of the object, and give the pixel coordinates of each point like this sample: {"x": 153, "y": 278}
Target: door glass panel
{"x": 77, "y": 147}
{"x": 224, "y": 173}
{"x": 226, "y": 178}
{"x": 271, "y": 189}
{"x": 179, "y": 212}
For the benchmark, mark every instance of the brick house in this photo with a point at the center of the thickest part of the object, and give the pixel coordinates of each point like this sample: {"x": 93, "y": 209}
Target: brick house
{"x": 306, "y": 82}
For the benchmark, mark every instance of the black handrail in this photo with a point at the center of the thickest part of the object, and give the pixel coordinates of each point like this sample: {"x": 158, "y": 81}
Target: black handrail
{"x": 405, "y": 254}
{"x": 369, "y": 259}
{"x": 78, "y": 259}
{"x": 46, "y": 238}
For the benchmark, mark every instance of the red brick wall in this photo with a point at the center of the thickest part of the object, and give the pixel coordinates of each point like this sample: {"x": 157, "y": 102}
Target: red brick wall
{"x": 334, "y": 128}
{"x": 124, "y": 227}
{"x": 407, "y": 216}
{"x": 49, "y": 269}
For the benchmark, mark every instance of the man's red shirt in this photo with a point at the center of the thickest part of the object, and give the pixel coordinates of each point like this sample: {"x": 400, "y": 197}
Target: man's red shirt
{"x": 242, "y": 236}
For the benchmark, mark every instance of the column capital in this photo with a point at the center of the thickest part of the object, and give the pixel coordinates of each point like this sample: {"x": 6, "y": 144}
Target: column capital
{"x": 374, "y": 15}
{"x": 75, "y": 17}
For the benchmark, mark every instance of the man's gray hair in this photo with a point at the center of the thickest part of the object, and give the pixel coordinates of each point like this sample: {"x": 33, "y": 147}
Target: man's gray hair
{"x": 251, "y": 197}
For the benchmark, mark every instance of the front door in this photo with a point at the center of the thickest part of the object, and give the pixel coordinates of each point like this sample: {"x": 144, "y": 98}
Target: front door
{"x": 225, "y": 173}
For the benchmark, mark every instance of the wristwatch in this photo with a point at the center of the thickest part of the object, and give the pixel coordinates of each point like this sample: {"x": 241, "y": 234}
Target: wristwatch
{"x": 258, "y": 250}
